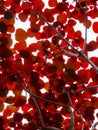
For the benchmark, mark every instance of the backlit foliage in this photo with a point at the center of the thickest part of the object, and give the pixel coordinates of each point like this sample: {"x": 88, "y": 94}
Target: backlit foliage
{"x": 70, "y": 86}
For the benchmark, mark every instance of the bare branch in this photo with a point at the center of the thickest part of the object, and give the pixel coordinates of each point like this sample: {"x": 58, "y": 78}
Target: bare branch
{"x": 50, "y": 128}
{"x": 89, "y": 61}
{"x": 53, "y": 28}
{"x": 72, "y": 117}
{"x": 44, "y": 99}
{"x": 86, "y": 89}
{"x": 72, "y": 122}
{"x": 68, "y": 52}
{"x": 36, "y": 105}
{"x": 81, "y": 53}
{"x": 81, "y": 119}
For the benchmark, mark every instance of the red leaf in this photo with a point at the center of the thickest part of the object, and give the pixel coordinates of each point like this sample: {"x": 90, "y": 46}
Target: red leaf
{"x": 83, "y": 76}
{"x": 92, "y": 46}
{"x": 52, "y": 3}
{"x": 3, "y": 27}
{"x": 62, "y": 18}
{"x": 95, "y": 27}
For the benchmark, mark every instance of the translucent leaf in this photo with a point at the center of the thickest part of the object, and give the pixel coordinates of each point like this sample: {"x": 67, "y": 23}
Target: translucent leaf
{"x": 1, "y": 106}
{"x": 13, "y": 108}
{"x": 59, "y": 63}
{"x": 52, "y": 3}
{"x": 47, "y": 86}
{"x": 62, "y": 18}
{"x": 20, "y": 34}
{"x": 72, "y": 22}
{"x": 20, "y": 46}
{"x": 23, "y": 17}
{"x": 7, "y": 112}
{"x": 92, "y": 46}
{"x": 61, "y": 6}
{"x": 10, "y": 28}
{"x": 95, "y": 27}
{"x": 83, "y": 76}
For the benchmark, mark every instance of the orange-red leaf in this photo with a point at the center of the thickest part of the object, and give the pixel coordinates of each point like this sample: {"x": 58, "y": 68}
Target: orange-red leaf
{"x": 52, "y": 3}
{"x": 62, "y": 18}
{"x": 20, "y": 34}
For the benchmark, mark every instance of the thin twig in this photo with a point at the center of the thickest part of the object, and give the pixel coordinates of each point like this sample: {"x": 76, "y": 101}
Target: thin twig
{"x": 53, "y": 28}
{"x": 81, "y": 119}
{"x": 68, "y": 52}
{"x": 81, "y": 53}
{"x": 85, "y": 18}
{"x": 36, "y": 105}
{"x": 25, "y": 86}
{"x": 44, "y": 99}
{"x": 72, "y": 122}
{"x": 89, "y": 61}
{"x": 51, "y": 128}
{"x": 72, "y": 118}
{"x": 86, "y": 89}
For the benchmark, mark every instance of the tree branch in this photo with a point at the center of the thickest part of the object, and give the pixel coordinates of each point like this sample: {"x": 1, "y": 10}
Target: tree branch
{"x": 36, "y": 105}
{"x": 68, "y": 52}
{"x": 53, "y": 28}
{"x": 72, "y": 122}
{"x": 89, "y": 61}
{"x": 44, "y": 99}
{"x": 81, "y": 119}
{"x": 81, "y": 53}
{"x": 50, "y": 128}
{"x": 86, "y": 89}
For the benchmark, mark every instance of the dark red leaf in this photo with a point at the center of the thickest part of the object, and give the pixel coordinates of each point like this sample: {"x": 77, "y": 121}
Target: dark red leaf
{"x": 24, "y": 54}
{"x": 8, "y": 14}
{"x": 3, "y": 27}
{"x": 17, "y": 117}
